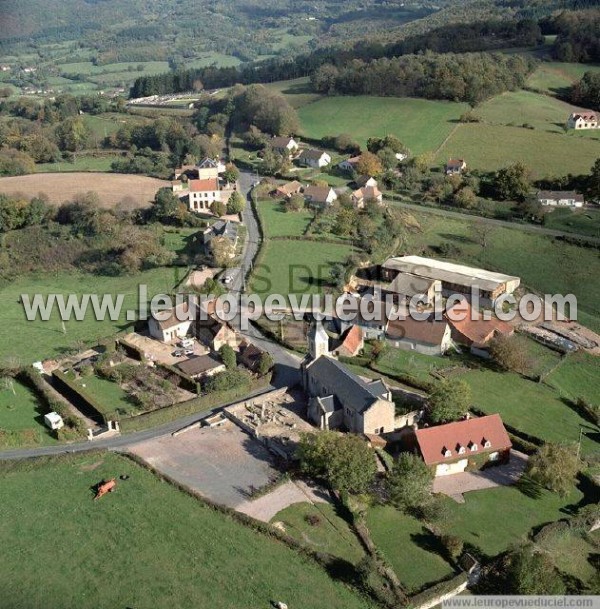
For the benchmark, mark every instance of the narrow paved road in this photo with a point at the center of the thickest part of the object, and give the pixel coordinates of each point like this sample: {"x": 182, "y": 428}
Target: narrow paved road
{"x": 456, "y": 215}
{"x": 116, "y": 442}
{"x": 287, "y": 364}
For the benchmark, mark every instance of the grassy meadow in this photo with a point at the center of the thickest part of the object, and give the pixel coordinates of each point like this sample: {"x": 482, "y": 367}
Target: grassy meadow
{"x": 145, "y": 545}
{"x": 421, "y": 124}
{"x": 321, "y": 527}
{"x": 531, "y": 407}
{"x": 542, "y": 112}
{"x": 413, "y": 552}
{"x": 578, "y": 376}
{"x": 491, "y": 147}
{"x": 279, "y": 223}
{"x": 520, "y": 508}
{"x": 554, "y": 77}
{"x": 18, "y": 406}
{"x": 296, "y": 266}
{"x": 30, "y": 341}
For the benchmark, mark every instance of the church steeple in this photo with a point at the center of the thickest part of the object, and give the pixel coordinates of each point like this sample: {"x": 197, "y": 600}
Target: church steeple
{"x": 318, "y": 340}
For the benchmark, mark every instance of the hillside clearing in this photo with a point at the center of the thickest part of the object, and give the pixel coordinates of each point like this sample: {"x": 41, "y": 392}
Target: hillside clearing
{"x": 112, "y": 188}
{"x": 491, "y": 147}
{"x": 421, "y": 124}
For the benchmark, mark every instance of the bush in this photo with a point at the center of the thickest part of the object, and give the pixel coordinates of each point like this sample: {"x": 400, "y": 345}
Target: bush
{"x": 453, "y": 546}
{"x": 314, "y": 520}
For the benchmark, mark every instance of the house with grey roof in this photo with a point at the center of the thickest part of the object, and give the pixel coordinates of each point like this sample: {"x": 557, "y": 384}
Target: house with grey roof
{"x": 221, "y": 228}
{"x": 337, "y": 398}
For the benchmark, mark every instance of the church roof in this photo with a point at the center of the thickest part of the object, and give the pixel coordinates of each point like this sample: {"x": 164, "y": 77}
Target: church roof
{"x": 347, "y": 388}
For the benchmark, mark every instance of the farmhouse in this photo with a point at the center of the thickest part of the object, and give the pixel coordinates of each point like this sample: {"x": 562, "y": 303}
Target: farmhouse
{"x": 429, "y": 336}
{"x": 288, "y": 189}
{"x": 470, "y": 329}
{"x": 249, "y": 356}
{"x": 583, "y": 120}
{"x": 363, "y": 181}
{"x": 320, "y": 195}
{"x": 365, "y": 194}
{"x": 203, "y": 193}
{"x": 450, "y": 448}
{"x": 455, "y": 278}
{"x": 177, "y": 325}
{"x": 284, "y": 146}
{"x": 313, "y": 158}
{"x": 560, "y": 198}
{"x": 371, "y": 318}
{"x": 455, "y": 166}
{"x": 207, "y": 168}
{"x": 339, "y": 399}
{"x": 214, "y": 334}
{"x": 210, "y": 168}
{"x": 201, "y": 366}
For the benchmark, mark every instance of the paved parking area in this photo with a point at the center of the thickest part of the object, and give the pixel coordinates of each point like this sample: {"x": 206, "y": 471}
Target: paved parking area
{"x": 222, "y": 464}
{"x": 161, "y": 352}
{"x": 455, "y": 485}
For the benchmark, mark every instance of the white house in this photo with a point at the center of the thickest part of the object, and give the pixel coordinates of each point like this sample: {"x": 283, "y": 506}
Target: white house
{"x": 320, "y": 195}
{"x": 314, "y": 158}
{"x": 284, "y": 145}
{"x": 177, "y": 325}
{"x": 583, "y": 120}
{"x": 53, "y": 420}
{"x": 558, "y": 198}
{"x": 203, "y": 193}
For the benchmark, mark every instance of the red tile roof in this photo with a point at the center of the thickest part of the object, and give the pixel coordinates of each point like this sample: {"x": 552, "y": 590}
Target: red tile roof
{"x": 470, "y": 325}
{"x": 586, "y": 116}
{"x": 353, "y": 340}
{"x": 472, "y": 434}
{"x": 206, "y": 185}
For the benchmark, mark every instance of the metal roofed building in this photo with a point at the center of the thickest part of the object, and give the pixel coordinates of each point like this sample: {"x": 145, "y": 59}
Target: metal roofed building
{"x": 455, "y": 278}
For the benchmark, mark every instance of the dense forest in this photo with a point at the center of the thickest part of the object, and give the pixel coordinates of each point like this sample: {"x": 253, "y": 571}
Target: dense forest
{"x": 470, "y": 77}
{"x": 578, "y": 37}
{"x": 459, "y": 38}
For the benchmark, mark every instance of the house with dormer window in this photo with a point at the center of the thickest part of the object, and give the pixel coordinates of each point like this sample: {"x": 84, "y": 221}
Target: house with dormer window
{"x": 472, "y": 443}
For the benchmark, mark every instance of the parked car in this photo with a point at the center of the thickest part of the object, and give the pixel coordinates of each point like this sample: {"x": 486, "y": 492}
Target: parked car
{"x": 188, "y": 352}
{"x": 177, "y": 353}
{"x": 186, "y": 343}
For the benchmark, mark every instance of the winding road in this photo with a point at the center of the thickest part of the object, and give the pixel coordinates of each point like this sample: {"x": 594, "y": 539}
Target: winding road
{"x": 286, "y": 373}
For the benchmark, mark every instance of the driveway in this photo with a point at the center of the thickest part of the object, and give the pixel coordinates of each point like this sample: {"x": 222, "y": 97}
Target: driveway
{"x": 265, "y": 508}
{"x": 455, "y": 485}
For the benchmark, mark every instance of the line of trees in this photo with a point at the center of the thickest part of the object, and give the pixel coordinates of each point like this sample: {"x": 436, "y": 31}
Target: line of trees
{"x": 470, "y": 77}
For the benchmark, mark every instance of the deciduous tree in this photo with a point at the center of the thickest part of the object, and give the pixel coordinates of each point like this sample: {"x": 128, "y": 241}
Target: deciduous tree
{"x": 410, "y": 482}
{"x": 449, "y": 401}
{"x": 554, "y": 466}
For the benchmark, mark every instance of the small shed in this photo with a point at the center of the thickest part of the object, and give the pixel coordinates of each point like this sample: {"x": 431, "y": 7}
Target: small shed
{"x": 53, "y": 420}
